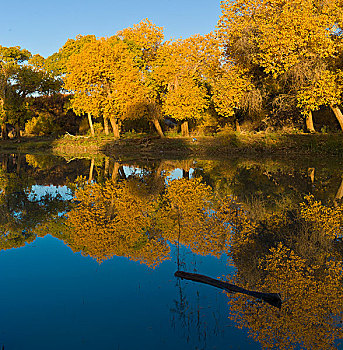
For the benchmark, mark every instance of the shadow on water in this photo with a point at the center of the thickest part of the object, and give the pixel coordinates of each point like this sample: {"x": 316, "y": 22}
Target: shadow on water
{"x": 295, "y": 148}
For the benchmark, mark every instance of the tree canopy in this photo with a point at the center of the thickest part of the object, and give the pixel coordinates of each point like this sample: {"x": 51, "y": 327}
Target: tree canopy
{"x": 273, "y": 62}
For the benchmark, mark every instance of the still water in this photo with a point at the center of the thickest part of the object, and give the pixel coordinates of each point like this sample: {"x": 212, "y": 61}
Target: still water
{"x": 89, "y": 248}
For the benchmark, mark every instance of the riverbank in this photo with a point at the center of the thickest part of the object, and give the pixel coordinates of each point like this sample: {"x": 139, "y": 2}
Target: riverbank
{"x": 219, "y": 146}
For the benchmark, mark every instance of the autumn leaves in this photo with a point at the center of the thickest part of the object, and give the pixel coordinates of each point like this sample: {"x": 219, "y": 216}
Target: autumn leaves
{"x": 278, "y": 59}
{"x": 136, "y": 75}
{"x": 126, "y": 77}
{"x": 21, "y": 76}
{"x": 292, "y": 50}
{"x": 128, "y": 219}
{"x": 267, "y": 60}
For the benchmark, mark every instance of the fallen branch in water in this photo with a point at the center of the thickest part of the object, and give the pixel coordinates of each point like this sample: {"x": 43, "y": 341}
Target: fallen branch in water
{"x": 273, "y": 299}
{"x": 77, "y": 136}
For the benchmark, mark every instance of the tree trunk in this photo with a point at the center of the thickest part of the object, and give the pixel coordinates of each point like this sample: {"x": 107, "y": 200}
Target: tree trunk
{"x": 154, "y": 112}
{"x": 4, "y": 163}
{"x": 121, "y": 173}
{"x": 310, "y": 172}
{"x": 115, "y": 127}
{"x": 91, "y": 124}
{"x": 106, "y": 166}
{"x": 159, "y": 171}
{"x": 91, "y": 169}
{"x": 238, "y": 127}
{"x": 338, "y": 115}
{"x": 106, "y": 126}
{"x": 309, "y": 123}
{"x": 4, "y": 131}
{"x": 18, "y": 163}
{"x": 17, "y": 130}
{"x": 116, "y": 166}
{"x": 339, "y": 194}
{"x": 184, "y": 129}
{"x": 158, "y": 127}
{"x": 185, "y": 174}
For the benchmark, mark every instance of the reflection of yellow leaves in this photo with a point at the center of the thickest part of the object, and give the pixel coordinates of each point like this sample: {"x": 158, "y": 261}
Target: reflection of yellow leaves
{"x": 110, "y": 220}
{"x": 125, "y": 219}
{"x": 188, "y": 217}
{"x": 40, "y": 161}
{"x": 10, "y": 239}
{"x": 311, "y": 286}
{"x": 312, "y": 309}
{"x": 4, "y": 181}
{"x": 326, "y": 220}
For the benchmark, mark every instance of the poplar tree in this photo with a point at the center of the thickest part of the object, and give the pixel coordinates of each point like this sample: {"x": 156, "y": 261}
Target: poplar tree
{"x": 290, "y": 48}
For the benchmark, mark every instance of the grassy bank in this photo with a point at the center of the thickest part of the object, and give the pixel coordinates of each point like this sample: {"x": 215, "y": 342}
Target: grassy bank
{"x": 220, "y": 146}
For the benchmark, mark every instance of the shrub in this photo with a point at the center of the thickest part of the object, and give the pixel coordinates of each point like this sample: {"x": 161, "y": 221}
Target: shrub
{"x": 41, "y": 125}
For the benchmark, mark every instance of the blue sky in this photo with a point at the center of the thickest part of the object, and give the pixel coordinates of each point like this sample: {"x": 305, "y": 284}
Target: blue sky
{"x": 44, "y": 26}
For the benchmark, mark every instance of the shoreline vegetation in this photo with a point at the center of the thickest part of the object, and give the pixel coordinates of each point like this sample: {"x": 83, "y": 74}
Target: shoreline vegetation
{"x": 221, "y": 146}
{"x": 267, "y": 66}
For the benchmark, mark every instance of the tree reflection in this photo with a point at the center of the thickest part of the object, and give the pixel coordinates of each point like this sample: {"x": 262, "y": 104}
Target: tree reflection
{"x": 297, "y": 254}
{"x": 116, "y": 219}
{"x": 311, "y": 315}
{"x": 187, "y": 217}
{"x": 253, "y": 215}
{"x": 22, "y": 213}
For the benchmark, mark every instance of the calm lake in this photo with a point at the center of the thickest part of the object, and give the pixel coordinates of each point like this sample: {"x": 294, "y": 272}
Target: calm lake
{"x": 89, "y": 248}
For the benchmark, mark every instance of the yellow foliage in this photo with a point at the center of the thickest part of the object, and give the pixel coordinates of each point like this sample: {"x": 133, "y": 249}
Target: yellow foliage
{"x": 146, "y": 35}
{"x": 311, "y": 314}
{"x": 111, "y": 220}
{"x": 291, "y": 47}
{"x": 187, "y": 218}
{"x": 11, "y": 240}
{"x": 241, "y": 226}
{"x": 279, "y": 33}
{"x": 187, "y": 101}
{"x": 325, "y": 219}
{"x": 324, "y": 90}
{"x": 180, "y": 68}
{"x": 110, "y": 86}
{"x": 228, "y": 88}
{"x": 43, "y": 124}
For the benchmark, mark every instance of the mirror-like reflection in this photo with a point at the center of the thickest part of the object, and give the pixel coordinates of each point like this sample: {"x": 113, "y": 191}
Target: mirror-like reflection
{"x": 273, "y": 227}
{"x": 298, "y": 254}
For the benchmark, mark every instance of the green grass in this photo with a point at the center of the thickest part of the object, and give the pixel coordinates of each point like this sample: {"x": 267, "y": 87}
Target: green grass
{"x": 140, "y": 146}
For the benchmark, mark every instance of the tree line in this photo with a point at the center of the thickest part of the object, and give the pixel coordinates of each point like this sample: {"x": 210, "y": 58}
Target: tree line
{"x": 270, "y": 62}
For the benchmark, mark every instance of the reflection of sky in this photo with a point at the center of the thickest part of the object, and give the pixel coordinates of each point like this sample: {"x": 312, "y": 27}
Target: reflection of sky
{"x": 178, "y": 174}
{"x": 56, "y": 299}
{"x": 130, "y": 170}
{"x": 38, "y": 191}
{"x": 172, "y": 175}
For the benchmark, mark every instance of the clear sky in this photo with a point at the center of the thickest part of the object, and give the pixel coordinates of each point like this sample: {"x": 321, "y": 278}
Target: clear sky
{"x": 44, "y": 26}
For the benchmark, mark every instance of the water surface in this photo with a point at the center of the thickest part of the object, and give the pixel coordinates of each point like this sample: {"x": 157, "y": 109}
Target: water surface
{"x": 89, "y": 248}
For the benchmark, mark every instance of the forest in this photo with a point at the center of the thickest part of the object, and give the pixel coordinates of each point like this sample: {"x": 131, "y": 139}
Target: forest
{"x": 269, "y": 65}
